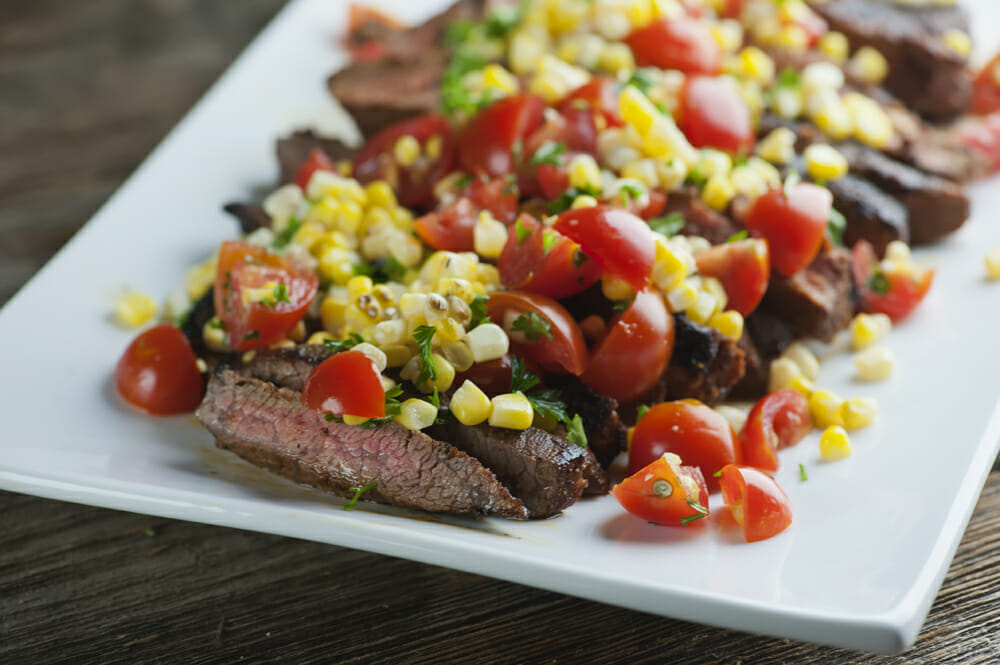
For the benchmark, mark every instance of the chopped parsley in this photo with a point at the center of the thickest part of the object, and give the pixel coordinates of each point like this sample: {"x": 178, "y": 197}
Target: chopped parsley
{"x": 393, "y": 407}
{"x": 878, "y": 282}
{"x": 701, "y": 512}
{"x": 788, "y": 78}
{"x": 641, "y": 79}
{"x": 533, "y": 325}
{"x": 669, "y": 225}
{"x": 358, "y": 491}
{"x": 549, "y": 153}
{"x": 622, "y": 305}
{"x": 381, "y": 270}
{"x": 279, "y": 294}
{"x": 641, "y": 411}
{"x": 791, "y": 181}
{"x": 503, "y": 20}
{"x": 574, "y": 431}
{"x": 479, "y": 313}
{"x": 216, "y": 323}
{"x": 629, "y": 192}
{"x": 455, "y": 97}
{"x": 836, "y": 226}
{"x": 149, "y": 532}
{"x": 521, "y": 379}
{"x": 423, "y": 335}
{"x": 696, "y": 177}
{"x": 549, "y": 239}
{"x": 566, "y": 199}
{"x": 803, "y": 476}
{"x": 282, "y": 239}
{"x": 545, "y": 402}
{"x": 521, "y": 230}
{"x": 510, "y": 186}
{"x": 253, "y": 334}
{"x": 338, "y": 345}
{"x": 739, "y": 235}
{"x": 579, "y": 258}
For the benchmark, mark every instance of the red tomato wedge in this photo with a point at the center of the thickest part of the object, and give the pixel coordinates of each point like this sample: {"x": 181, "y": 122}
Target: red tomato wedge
{"x": 683, "y": 43}
{"x": 489, "y": 140}
{"x": 541, "y": 260}
{"x": 986, "y": 88}
{"x": 413, "y": 183}
{"x": 259, "y": 296}
{"x": 158, "y": 373}
{"x": 756, "y": 500}
{"x": 793, "y": 219}
{"x": 666, "y": 493}
{"x": 633, "y": 355}
{"x": 316, "y": 161}
{"x": 451, "y": 228}
{"x": 982, "y": 134}
{"x": 895, "y": 294}
{"x": 599, "y": 96}
{"x": 557, "y": 345}
{"x": 619, "y": 241}
{"x": 776, "y": 421}
{"x": 744, "y": 269}
{"x": 714, "y": 115}
{"x": 347, "y": 383}
{"x": 693, "y": 431}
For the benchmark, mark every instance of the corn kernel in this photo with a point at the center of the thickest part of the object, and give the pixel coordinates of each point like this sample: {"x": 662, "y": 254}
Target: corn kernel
{"x": 958, "y": 41}
{"x": 444, "y": 375}
{"x": 198, "y": 279}
{"x": 213, "y": 333}
{"x": 874, "y": 363}
{"x": 615, "y": 288}
{"x": 458, "y": 354}
{"x": 406, "y": 150}
{"x": 354, "y": 420}
{"x": 436, "y": 308}
{"x": 637, "y": 110}
{"x": 834, "y": 45}
{"x": 390, "y": 332}
{"x": 992, "y": 263}
{"x": 783, "y": 372}
{"x": 729, "y": 323}
{"x": 584, "y": 172}
{"x": 642, "y": 170}
{"x": 449, "y": 330}
{"x": 858, "y": 412}
{"x": 869, "y": 65}
{"x": 375, "y": 354}
{"x": 801, "y": 384}
{"x": 822, "y": 76}
{"x": 748, "y": 181}
{"x": 616, "y": 57}
{"x": 397, "y": 355}
{"x": 671, "y": 173}
{"x": 583, "y": 201}
{"x": 416, "y": 414}
{"x": 824, "y": 162}
{"x": 282, "y": 205}
{"x": 713, "y": 162}
{"x": 319, "y": 337}
{"x": 898, "y": 253}
{"x": 470, "y": 405}
{"x": 380, "y": 194}
{"x": 834, "y": 444}
{"x": 487, "y": 341}
{"x": 806, "y": 360}
{"x": 835, "y": 120}
{"x": 333, "y": 314}
{"x": 412, "y": 304}
{"x": 787, "y": 102}
{"x": 404, "y": 248}
{"x": 498, "y": 78}
{"x": 703, "y": 307}
{"x": 489, "y": 235}
{"x": 735, "y": 416}
{"x": 554, "y": 79}
{"x": 778, "y": 147}
{"x": 718, "y": 192}
{"x": 728, "y": 35}
{"x": 866, "y": 329}
{"x": 511, "y": 411}
{"x": 682, "y": 296}
{"x": 793, "y": 37}
{"x": 359, "y": 285}
{"x": 670, "y": 268}
{"x": 527, "y": 46}
{"x": 825, "y": 409}
{"x": 135, "y": 309}
{"x": 756, "y": 65}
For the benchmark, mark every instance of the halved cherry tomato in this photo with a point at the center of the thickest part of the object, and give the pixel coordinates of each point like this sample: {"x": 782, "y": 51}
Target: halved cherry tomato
{"x": 633, "y": 355}
{"x": 895, "y": 294}
{"x": 158, "y": 373}
{"x": 564, "y": 350}
{"x": 793, "y": 220}
{"x": 619, "y": 241}
{"x": 683, "y": 43}
{"x": 743, "y": 267}
{"x": 982, "y": 134}
{"x": 598, "y": 95}
{"x": 756, "y": 500}
{"x": 451, "y": 228}
{"x": 665, "y": 492}
{"x": 316, "y": 161}
{"x": 714, "y": 115}
{"x": 776, "y": 421}
{"x": 414, "y": 183}
{"x": 695, "y": 432}
{"x": 542, "y": 260}
{"x": 488, "y": 141}
{"x": 347, "y": 383}
{"x": 259, "y": 296}
{"x": 986, "y": 88}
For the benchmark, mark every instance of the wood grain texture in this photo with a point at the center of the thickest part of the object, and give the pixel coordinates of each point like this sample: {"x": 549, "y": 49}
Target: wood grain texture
{"x": 86, "y": 90}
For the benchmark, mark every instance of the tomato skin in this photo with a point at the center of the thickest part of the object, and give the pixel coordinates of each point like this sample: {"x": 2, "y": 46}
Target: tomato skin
{"x": 905, "y": 290}
{"x": 636, "y": 494}
{"x": 316, "y": 161}
{"x": 486, "y": 143}
{"x": 566, "y": 351}
{"x": 713, "y": 115}
{"x": 757, "y": 502}
{"x": 985, "y": 91}
{"x": 347, "y": 383}
{"x": 793, "y": 220}
{"x": 254, "y": 325}
{"x": 452, "y": 228}
{"x": 561, "y": 271}
{"x": 619, "y": 241}
{"x": 599, "y": 95}
{"x": 776, "y": 421}
{"x": 744, "y": 269}
{"x": 982, "y": 134}
{"x": 634, "y": 353}
{"x": 414, "y": 185}
{"x": 158, "y": 373}
{"x": 690, "y": 429}
{"x": 683, "y": 43}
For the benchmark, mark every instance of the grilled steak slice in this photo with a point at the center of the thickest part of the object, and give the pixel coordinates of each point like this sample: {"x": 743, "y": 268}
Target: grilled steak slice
{"x": 389, "y": 41}
{"x": 293, "y": 149}
{"x": 288, "y": 368}
{"x": 924, "y": 73}
{"x": 935, "y": 206}
{"x": 765, "y": 336}
{"x": 251, "y": 216}
{"x": 542, "y": 470}
{"x": 201, "y": 312}
{"x": 606, "y": 433}
{"x": 817, "y": 301}
{"x": 871, "y": 214}
{"x": 270, "y": 427}
{"x": 699, "y": 219}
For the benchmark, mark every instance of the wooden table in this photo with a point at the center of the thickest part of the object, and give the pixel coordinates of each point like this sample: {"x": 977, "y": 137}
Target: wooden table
{"x": 86, "y": 90}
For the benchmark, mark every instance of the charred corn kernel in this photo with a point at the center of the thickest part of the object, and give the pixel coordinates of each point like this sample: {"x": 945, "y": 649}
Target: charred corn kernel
{"x": 487, "y": 341}
{"x": 397, "y": 355}
{"x": 835, "y": 120}
{"x": 449, "y": 330}
{"x": 495, "y": 76}
{"x": 390, "y": 332}
{"x": 824, "y": 162}
{"x": 869, "y": 65}
{"x": 806, "y": 360}
{"x": 748, "y": 181}
{"x": 866, "y": 329}
{"x": 874, "y": 363}
{"x": 825, "y": 409}
{"x": 801, "y": 384}
{"x": 718, "y": 192}
{"x": 729, "y": 323}
{"x": 416, "y": 414}
{"x": 834, "y": 45}
{"x": 728, "y": 35}
{"x": 406, "y": 150}
{"x": 584, "y": 172}
{"x": 412, "y": 304}
{"x": 320, "y": 337}
{"x": 554, "y": 79}
{"x": 702, "y": 308}
{"x": 616, "y": 57}
{"x": 511, "y": 411}
{"x": 380, "y": 194}
{"x": 134, "y": 309}
{"x": 487, "y": 278}
{"x": 405, "y": 248}
{"x": 459, "y": 309}
{"x": 783, "y": 372}
{"x": 213, "y": 333}
{"x": 583, "y": 201}
{"x": 778, "y": 147}
{"x": 756, "y": 65}
{"x": 489, "y": 235}
{"x": 637, "y": 110}
{"x": 354, "y": 420}
{"x": 992, "y": 263}
{"x": 682, "y": 297}
{"x": 834, "y": 444}
{"x": 333, "y": 314}
{"x": 458, "y": 354}
{"x": 282, "y": 205}
{"x": 858, "y": 412}
{"x": 615, "y": 288}
{"x": 436, "y": 308}
{"x": 456, "y": 286}
{"x": 787, "y": 102}
{"x": 958, "y": 41}
{"x": 470, "y": 405}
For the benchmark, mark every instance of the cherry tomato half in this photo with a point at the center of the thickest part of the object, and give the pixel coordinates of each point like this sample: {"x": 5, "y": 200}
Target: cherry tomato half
{"x": 776, "y": 421}
{"x": 158, "y": 373}
{"x": 683, "y": 43}
{"x": 619, "y": 241}
{"x": 347, "y": 383}
{"x": 557, "y": 344}
{"x": 599, "y": 95}
{"x": 986, "y": 89}
{"x": 634, "y": 353}
{"x": 259, "y": 296}
{"x": 756, "y": 500}
{"x": 488, "y": 141}
{"x": 665, "y": 492}
{"x": 793, "y": 220}
{"x": 542, "y": 260}
{"x": 714, "y": 115}
{"x": 895, "y": 294}
{"x": 413, "y": 182}
{"x": 316, "y": 161}
{"x": 981, "y": 134}
{"x": 744, "y": 269}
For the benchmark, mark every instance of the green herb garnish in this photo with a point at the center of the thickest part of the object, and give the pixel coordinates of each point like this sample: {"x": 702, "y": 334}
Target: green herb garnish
{"x": 641, "y": 79}
{"x": 574, "y": 431}
{"x": 533, "y": 325}
{"x": 878, "y": 282}
{"x": 803, "y": 476}
{"x": 565, "y": 200}
{"x": 479, "y": 313}
{"x": 521, "y": 230}
{"x": 836, "y": 226}
{"x": 701, "y": 513}
{"x": 423, "y": 335}
{"x": 253, "y": 334}
{"x": 628, "y": 192}
{"x": 358, "y": 491}
{"x": 338, "y": 345}
{"x": 521, "y": 379}
{"x": 669, "y": 225}
{"x": 279, "y": 294}
{"x": 282, "y": 239}
{"x": 641, "y": 411}
{"x": 549, "y": 153}
{"x": 549, "y": 239}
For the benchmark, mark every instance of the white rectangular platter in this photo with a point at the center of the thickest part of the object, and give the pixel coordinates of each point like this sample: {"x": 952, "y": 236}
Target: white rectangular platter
{"x": 873, "y": 535}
